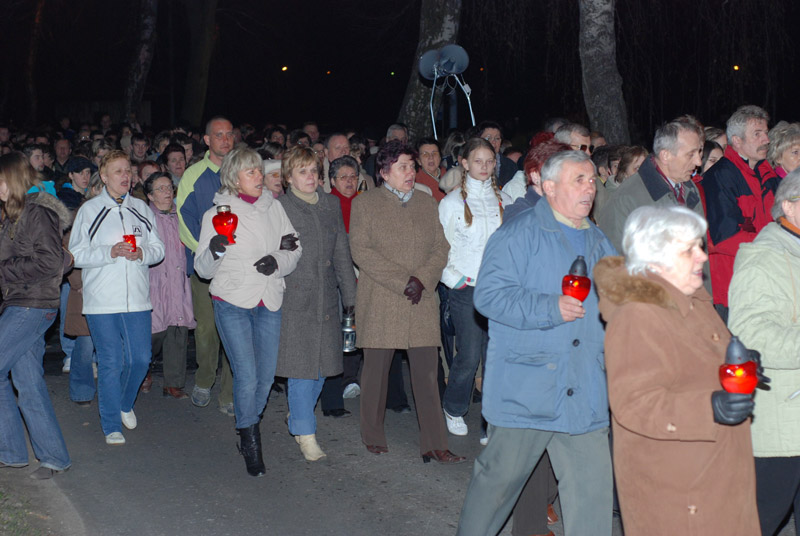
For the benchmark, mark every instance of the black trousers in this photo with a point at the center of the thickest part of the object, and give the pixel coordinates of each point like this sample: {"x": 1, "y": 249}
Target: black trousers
{"x": 332, "y": 390}
{"x": 777, "y": 492}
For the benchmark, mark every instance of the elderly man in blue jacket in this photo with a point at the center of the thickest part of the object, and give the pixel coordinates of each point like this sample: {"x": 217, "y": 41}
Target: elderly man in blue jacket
{"x": 545, "y": 384}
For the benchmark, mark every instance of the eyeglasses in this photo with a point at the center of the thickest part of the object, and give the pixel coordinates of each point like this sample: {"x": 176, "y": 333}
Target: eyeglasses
{"x": 164, "y": 188}
{"x": 426, "y": 154}
{"x": 347, "y": 178}
{"x": 583, "y": 148}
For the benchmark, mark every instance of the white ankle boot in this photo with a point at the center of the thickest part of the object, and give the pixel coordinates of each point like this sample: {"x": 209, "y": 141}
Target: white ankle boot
{"x": 309, "y": 447}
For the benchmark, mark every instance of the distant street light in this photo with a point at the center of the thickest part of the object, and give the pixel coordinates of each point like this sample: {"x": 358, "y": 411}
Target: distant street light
{"x": 735, "y": 67}
{"x": 284, "y": 68}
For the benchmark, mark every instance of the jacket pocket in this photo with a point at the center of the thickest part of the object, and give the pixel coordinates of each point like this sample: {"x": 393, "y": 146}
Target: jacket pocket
{"x": 530, "y": 386}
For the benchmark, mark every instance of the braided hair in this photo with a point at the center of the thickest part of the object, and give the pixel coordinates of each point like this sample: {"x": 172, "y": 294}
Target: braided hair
{"x": 472, "y": 145}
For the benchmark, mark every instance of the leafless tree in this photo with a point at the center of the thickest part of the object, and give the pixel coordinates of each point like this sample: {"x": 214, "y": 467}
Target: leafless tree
{"x": 143, "y": 56}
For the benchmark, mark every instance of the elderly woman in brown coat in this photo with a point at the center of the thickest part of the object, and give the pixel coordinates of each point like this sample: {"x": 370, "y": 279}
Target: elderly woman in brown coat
{"x": 399, "y": 247}
{"x": 682, "y": 454}
{"x": 311, "y": 337}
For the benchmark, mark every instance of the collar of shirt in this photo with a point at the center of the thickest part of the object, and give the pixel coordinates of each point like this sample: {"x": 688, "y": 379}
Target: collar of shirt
{"x": 560, "y": 218}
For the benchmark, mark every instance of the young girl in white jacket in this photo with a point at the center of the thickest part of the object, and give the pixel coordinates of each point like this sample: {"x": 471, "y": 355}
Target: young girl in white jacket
{"x": 469, "y": 215}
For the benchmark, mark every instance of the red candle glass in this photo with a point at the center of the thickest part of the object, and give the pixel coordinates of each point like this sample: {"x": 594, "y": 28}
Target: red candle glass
{"x": 225, "y": 222}
{"x": 738, "y": 374}
{"x": 130, "y": 239}
{"x": 576, "y": 283}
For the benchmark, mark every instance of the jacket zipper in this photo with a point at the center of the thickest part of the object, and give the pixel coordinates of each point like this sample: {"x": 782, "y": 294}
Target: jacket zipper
{"x": 127, "y": 303}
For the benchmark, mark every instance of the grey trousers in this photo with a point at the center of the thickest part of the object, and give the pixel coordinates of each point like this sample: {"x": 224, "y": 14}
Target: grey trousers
{"x": 582, "y": 464}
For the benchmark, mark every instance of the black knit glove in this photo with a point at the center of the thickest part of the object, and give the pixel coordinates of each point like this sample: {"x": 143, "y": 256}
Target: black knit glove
{"x": 731, "y": 408}
{"x": 266, "y": 265}
{"x": 217, "y": 245}
{"x": 289, "y": 242}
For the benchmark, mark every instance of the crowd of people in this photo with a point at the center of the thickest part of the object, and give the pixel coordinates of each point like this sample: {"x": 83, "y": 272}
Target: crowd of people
{"x": 454, "y": 255}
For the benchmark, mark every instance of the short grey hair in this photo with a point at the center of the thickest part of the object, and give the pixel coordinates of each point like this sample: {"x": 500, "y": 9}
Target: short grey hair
{"x": 238, "y": 159}
{"x": 788, "y": 189}
{"x": 653, "y": 234}
{"x": 564, "y": 132}
{"x": 781, "y": 137}
{"x": 395, "y": 127}
{"x": 666, "y": 138}
{"x": 737, "y": 123}
{"x": 551, "y": 171}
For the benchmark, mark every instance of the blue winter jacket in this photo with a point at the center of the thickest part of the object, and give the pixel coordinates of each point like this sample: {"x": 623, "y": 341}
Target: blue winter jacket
{"x": 541, "y": 372}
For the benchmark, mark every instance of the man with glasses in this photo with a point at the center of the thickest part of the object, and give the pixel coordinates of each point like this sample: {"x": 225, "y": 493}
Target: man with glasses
{"x": 506, "y": 168}
{"x": 195, "y": 196}
{"x": 576, "y": 136}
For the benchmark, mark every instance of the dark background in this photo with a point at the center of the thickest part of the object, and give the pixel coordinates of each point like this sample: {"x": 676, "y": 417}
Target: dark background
{"x": 675, "y": 57}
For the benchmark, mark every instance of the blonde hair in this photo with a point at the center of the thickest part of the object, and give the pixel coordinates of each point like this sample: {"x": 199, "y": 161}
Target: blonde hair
{"x": 298, "y": 156}
{"x": 472, "y": 145}
{"x": 116, "y": 154}
{"x": 19, "y": 176}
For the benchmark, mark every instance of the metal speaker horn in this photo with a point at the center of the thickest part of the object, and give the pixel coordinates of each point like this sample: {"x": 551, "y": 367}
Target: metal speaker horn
{"x": 453, "y": 59}
{"x": 427, "y": 64}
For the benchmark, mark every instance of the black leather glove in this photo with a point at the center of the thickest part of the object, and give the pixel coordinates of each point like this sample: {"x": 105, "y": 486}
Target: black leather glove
{"x": 217, "y": 245}
{"x": 731, "y": 408}
{"x": 414, "y": 289}
{"x": 349, "y": 310}
{"x": 289, "y": 242}
{"x": 755, "y": 355}
{"x": 266, "y": 265}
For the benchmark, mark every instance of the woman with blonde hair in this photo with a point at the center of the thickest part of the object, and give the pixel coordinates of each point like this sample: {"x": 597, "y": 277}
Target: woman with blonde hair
{"x": 32, "y": 264}
{"x": 469, "y": 215}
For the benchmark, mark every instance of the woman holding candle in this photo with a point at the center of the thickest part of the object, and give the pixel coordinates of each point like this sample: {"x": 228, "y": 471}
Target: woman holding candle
{"x": 31, "y": 268}
{"x": 682, "y": 453}
{"x": 311, "y": 335}
{"x": 400, "y": 249}
{"x": 114, "y": 240}
{"x": 247, "y": 287}
{"x": 764, "y": 306}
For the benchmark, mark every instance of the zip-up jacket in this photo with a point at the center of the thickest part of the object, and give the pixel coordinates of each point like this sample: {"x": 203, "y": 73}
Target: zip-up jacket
{"x": 114, "y": 285}
{"x": 467, "y": 242}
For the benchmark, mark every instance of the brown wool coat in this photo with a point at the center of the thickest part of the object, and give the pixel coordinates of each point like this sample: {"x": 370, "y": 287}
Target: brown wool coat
{"x": 677, "y": 471}
{"x": 391, "y": 241}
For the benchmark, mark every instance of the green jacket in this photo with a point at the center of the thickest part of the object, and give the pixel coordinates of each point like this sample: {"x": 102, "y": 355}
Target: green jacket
{"x": 764, "y": 301}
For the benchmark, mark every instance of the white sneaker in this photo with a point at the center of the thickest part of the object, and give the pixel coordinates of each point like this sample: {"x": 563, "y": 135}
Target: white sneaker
{"x": 455, "y": 425}
{"x": 67, "y": 363}
{"x": 128, "y": 419}
{"x": 351, "y": 391}
{"x": 115, "y": 438}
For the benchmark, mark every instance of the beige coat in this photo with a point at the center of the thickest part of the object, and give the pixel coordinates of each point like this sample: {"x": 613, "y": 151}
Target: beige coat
{"x": 391, "y": 241}
{"x": 677, "y": 471}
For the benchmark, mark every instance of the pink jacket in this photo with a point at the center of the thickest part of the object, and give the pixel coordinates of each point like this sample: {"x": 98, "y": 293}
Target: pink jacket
{"x": 170, "y": 290}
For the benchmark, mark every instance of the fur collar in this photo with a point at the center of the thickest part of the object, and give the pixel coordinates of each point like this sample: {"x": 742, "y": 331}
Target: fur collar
{"x": 53, "y": 203}
{"x": 617, "y": 286}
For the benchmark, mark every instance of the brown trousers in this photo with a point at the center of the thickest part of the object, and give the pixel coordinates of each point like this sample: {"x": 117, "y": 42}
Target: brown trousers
{"x": 374, "y": 380}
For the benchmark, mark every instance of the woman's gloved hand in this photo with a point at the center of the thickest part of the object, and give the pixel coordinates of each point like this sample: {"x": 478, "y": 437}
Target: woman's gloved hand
{"x": 266, "y": 265}
{"x": 289, "y": 242}
{"x": 217, "y": 246}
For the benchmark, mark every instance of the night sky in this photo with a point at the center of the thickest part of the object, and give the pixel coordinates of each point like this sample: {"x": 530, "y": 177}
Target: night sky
{"x": 675, "y": 57}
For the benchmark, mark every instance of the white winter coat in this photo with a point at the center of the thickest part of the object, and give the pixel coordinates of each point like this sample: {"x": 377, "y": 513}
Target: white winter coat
{"x": 467, "y": 242}
{"x": 234, "y": 277}
{"x": 114, "y": 285}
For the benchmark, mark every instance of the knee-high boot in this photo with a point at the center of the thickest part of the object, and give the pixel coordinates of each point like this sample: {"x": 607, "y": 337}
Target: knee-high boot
{"x": 250, "y": 447}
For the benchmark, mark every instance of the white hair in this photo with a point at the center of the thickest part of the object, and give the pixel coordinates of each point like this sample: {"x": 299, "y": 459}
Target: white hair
{"x": 551, "y": 171}
{"x": 653, "y": 236}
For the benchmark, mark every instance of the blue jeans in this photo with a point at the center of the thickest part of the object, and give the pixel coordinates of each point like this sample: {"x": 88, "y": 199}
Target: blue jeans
{"x": 21, "y": 352}
{"x": 303, "y": 395}
{"x": 67, "y": 343}
{"x": 250, "y": 338}
{"x": 122, "y": 342}
{"x": 81, "y": 376}
{"x": 471, "y": 341}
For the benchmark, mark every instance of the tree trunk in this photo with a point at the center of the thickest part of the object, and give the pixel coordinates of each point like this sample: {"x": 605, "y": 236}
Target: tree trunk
{"x": 30, "y": 66}
{"x": 201, "y": 18}
{"x": 602, "y": 83}
{"x": 143, "y": 57}
{"x": 438, "y": 26}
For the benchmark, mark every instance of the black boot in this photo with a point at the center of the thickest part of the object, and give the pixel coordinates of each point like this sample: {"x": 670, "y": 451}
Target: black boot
{"x": 250, "y": 447}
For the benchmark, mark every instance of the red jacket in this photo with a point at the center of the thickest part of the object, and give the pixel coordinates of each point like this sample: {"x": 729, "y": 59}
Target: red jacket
{"x": 738, "y": 204}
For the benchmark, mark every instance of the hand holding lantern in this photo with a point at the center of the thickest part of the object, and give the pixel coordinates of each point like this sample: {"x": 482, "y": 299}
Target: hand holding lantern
{"x": 739, "y": 373}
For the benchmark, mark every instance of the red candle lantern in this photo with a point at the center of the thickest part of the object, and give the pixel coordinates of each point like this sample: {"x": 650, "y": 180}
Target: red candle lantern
{"x": 739, "y": 374}
{"x": 130, "y": 239}
{"x": 225, "y": 222}
{"x": 577, "y": 284}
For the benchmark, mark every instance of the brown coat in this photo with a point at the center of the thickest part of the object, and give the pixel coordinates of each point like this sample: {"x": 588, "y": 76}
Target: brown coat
{"x": 391, "y": 241}
{"x": 677, "y": 471}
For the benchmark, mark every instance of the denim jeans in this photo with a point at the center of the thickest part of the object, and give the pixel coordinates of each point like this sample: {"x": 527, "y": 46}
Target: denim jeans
{"x": 471, "y": 341}
{"x": 250, "y": 338}
{"x": 303, "y": 395}
{"x": 67, "y": 343}
{"x": 122, "y": 342}
{"x": 81, "y": 376}
{"x": 21, "y": 352}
